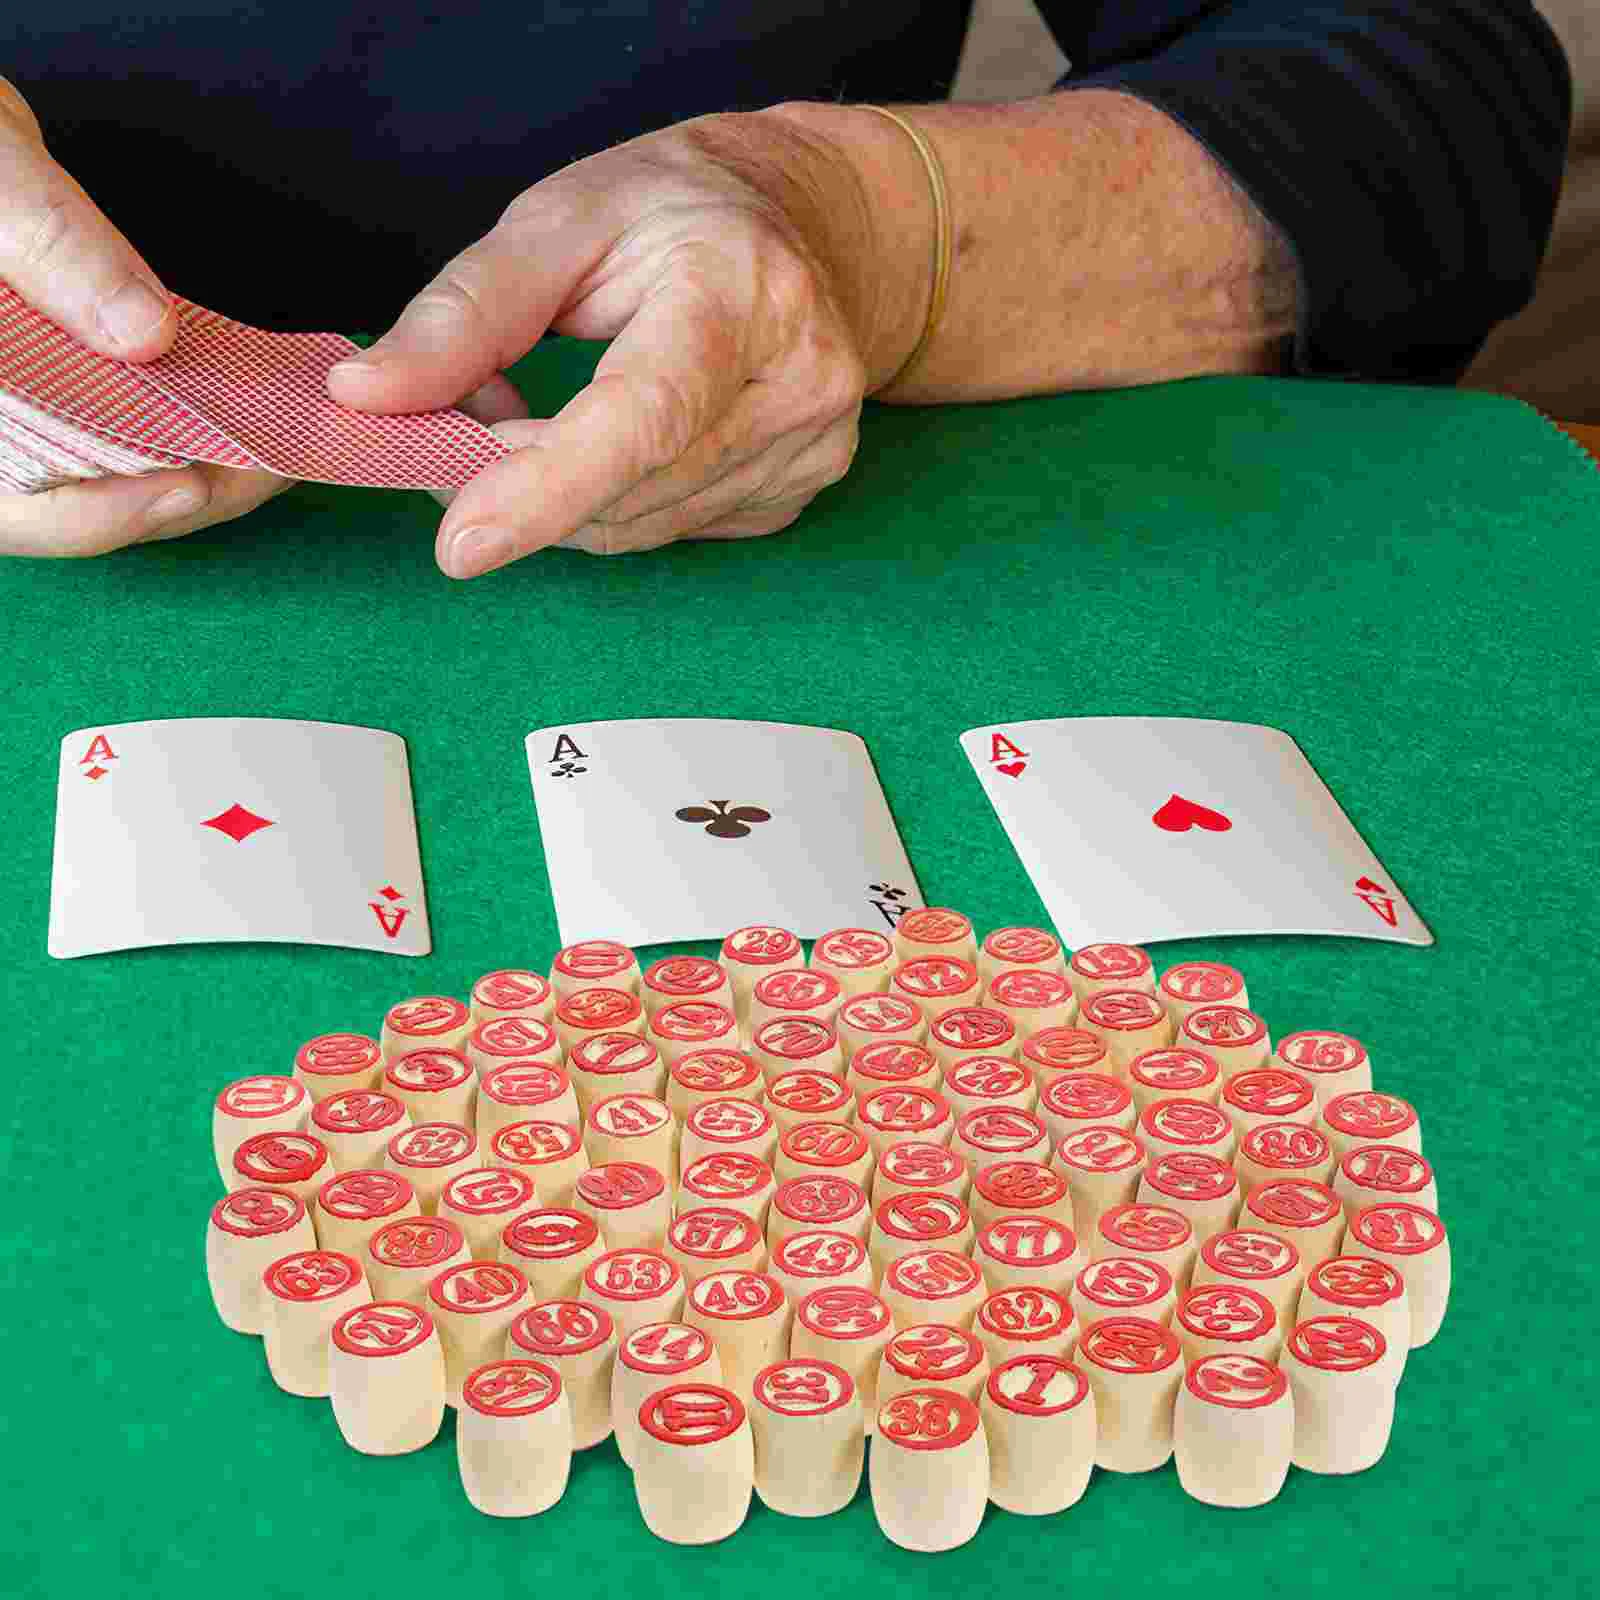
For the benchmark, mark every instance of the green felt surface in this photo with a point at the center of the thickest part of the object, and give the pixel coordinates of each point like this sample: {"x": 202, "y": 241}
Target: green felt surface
{"x": 1403, "y": 579}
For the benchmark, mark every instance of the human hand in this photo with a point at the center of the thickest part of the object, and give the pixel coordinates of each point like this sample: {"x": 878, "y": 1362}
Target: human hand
{"x": 58, "y": 251}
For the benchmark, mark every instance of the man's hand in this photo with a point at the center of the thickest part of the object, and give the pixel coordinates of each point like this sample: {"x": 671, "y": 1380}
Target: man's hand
{"x": 62, "y": 256}
{"x": 710, "y": 254}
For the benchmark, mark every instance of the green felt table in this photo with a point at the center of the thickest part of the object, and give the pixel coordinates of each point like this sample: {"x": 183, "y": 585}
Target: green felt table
{"x": 1403, "y": 579}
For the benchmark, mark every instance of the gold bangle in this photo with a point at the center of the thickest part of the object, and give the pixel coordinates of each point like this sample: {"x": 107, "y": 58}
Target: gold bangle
{"x": 941, "y": 241}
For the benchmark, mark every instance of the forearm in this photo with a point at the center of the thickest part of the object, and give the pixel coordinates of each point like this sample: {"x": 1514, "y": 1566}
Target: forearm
{"x": 1096, "y": 244}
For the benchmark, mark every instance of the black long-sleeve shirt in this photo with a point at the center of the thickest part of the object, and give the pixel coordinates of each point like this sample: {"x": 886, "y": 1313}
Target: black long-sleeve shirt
{"x": 311, "y": 163}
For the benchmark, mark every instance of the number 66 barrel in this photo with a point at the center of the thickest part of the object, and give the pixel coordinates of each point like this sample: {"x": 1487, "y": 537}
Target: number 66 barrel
{"x": 929, "y": 1472}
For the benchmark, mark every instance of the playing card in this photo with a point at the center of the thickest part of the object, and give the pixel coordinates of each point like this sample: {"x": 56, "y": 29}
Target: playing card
{"x": 687, "y": 828}
{"x": 232, "y": 828}
{"x": 1137, "y": 829}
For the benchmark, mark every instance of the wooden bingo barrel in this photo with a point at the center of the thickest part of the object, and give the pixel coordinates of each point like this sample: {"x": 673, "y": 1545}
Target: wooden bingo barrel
{"x": 1000, "y": 1133}
{"x": 929, "y": 1472}
{"x": 675, "y": 978}
{"x": 1178, "y": 1127}
{"x": 1226, "y": 1319}
{"x": 933, "y": 1355}
{"x": 977, "y": 1081}
{"x": 428, "y": 1155}
{"x": 1203, "y": 1187}
{"x": 860, "y": 960}
{"x": 960, "y": 1032}
{"x": 687, "y": 1026}
{"x": 1189, "y": 985}
{"x": 714, "y": 1239}
{"x": 1254, "y": 1259}
{"x": 815, "y": 1258}
{"x": 746, "y": 1317}
{"x": 1057, "y": 1052}
{"x": 550, "y": 1153}
{"x": 482, "y": 1202}
{"x": 1023, "y": 1320}
{"x": 511, "y": 992}
{"x": 908, "y": 1222}
{"x": 503, "y": 1040}
{"x": 636, "y": 1129}
{"x": 430, "y": 1021}
{"x": 798, "y": 992}
{"x": 513, "y": 1438}
{"x": 473, "y": 1305}
{"x": 870, "y": 1019}
{"x": 524, "y": 1091}
{"x": 551, "y": 1246}
{"x": 1072, "y": 1101}
{"x": 1129, "y": 1022}
{"x": 1233, "y": 1430}
{"x": 1282, "y": 1150}
{"x": 352, "y": 1206}
{"x": 1370, "y": 1174}
{"x": 1233, "y": 1036}
{"x": 356, "y": 1125}
{"x": 1134, "y": 1366}
{"x": 1102, "y": 1166}
{"x": 1365, "y": 1116}
{"x": 1173, "y": 1072}
{"x": 831, "y": 1147}
{"x": 1154, "y": 1232}
{"x": 1268, "y": 1094}
{"x": 406, "y": 1255}
{"x": 935, "y": 931}
{"x": 729, "y": 1178}
{"x": 749, "y": 954}
{"x": 919, "y": 1167}
{"x": 1343, "y": 1396}
{"x": 935, "y": 984}
{"x": 819, "y": 1200}
{"x": 634, "y": 1287}
{"x": 249, "y": 1230}
{"x": 589, "y": 1013}
{"x": 606, "y": 1064}
{"x": 265, "y": 1103}
{"x": 594, "y": 963}
{"x": 694, "y": 1463}
{"x": 809, "y": 1435}
{"x": 1335, "y": 1063}
{"x": 848, "y": 1326}
{"x": 1096, "y": 968}
{"x": 386, "y": 1378}
{"x": 804, "y": 1095}
{"x": 306, "y": 1292}
{"x": 1020, "y": 1189}
{"x": 1039, "y": 1417}
{"x": 652, "y": 1358}
{"x": 712, "y": 1075}
{"x": 1307, "y": 1214}
{"x": 1412, "y": 1240}
{"x": 1364, "y": 1287}
{"x": 1123, "y": 1286}
{"x": 890, "y": 1064}
{"x": 1033, "y": 998}
{"x": 933, "y": 1286}
{"x": 297, "y": 1163}
{"x": 893, "y": 1116}
{"x": 731, "y": 1124}
{"x": 334, "y": 1062}
{"x": 1036, "y": 1250}
{"x": 577, "y": 1341}
{"x": 1007, "y": 949}
{"x": 434, "y": 1085}
{"x": 788, "y": 1044}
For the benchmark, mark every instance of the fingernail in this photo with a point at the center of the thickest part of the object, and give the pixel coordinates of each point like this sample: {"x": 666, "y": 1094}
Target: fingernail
{"x": 173, "y": 507}
{"x": 473, "y": 551}
{"x": 133, "y": 313}
{"x": 361, "y": 363}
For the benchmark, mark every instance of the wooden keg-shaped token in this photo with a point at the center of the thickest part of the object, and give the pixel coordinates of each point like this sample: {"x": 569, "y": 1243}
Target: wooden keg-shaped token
{"x": 891, "y": 1065}
{"x": 1266, "y": 1095}
{"x": 352, "y": 1206}
{"x": 1343, "y": 1396}
{"x": 1011, "y": 949}
{"x": 635, "y": 1287}
{"x": 850, "y": 1326}
{"x": 1123, "y": 1286}
{"x": 551, "y": 1153}
{"x": 1364, "y": 1287}
{"x": 751, "y": 953}
{"x": 513, "y": 1438}
{"x": 872, "y": 1018}
{"x": 1335, "y": 1063}
{"x": 1130, "y": 1022}
{"x": 1282, "y": 1150}
{"x": 675, "y": 978}
{"x": 933, "y": 1355}
{"x": 818, "y": 1200}
{"x": 628, "y": 1201}
{"x": 406, "y": 1255}
{"x": 592, "y": 964}
{"x": 1134, "y": 1366}
{"x": 1254, "y": 1259}
{"x": 685, "y": 1026}
{"x": 714, "y": 1239}
{"x": 1233, "y": 1430}
{"x": 1365, "y": 1116}
{"x": 974, "y": 1082}
{"x": 473, "y": 1305}
{"x": 605, "y": 1064}
{"x": 1155, "y": 1232}
{"x": 789, "y": 1044}
{"x": 747, "y": 1319}
{"x": 1102, "y": 1165}
{"x": 729, "y": 1178}
{"x": 633, "y": 1128}
{"x": 426, "y": 1022}
{"x": 1099, "y": 968}
{"x": 650, "y": 1359}
{"x": 918, "y": 1167}
{"x": 828, "y": 1147}
{"x": 798, "y": 992}
{"x": 578, "y": 1341}
{"x": 1411, "y": 1239}
{"x": 961, "y": 1032}
{"x": 587, "y": 1013}
{"x": 525, "y": 1091}
{"x": 249, "y": 1230}
{"x": 1370, "y": 1174}
{"x": 860, "y": 960}
{"x": 810, "y": 1437}
{"x": 1204, "y": 1188}
{"x": 429, "y": 1155}
{"x": 1033, "y": 998}
{"x": 712, "y": 1075}
{"x": 1038, "y": 1416}
{"x": 356, "y": 1125}
{"x": 694, "y": 1463}
{"x": 1073, "y": 1101}
{"x": 731, "y": 1125}
{"x": 1189, "y": 985}
{"x": 1233, "y": 1036}
{"x": 552, "y": 1247}
{"x": 1022, "y": 1189}
{"x": 1174, "y": 1072}
{"x": 511, "y": 992}
{"x": 935, "y": 931}
{"x": 1025, "y": 1320}
{"x": 1226, "y": 1318}
{"x": 929, "y": 1472}
{"x": 816, "y": 1258}
{"x": 908, "y": 1222}
{"x": 933, "y": 1286}
{"x": 482, "y": 1202}
{"x": 335, "y": 1062}
{"x": 295, "y": 1162}
{"x": 1187, "y": 1127}
{"x": 433, "y": 1085}
{"x": 893, "y": 1116}
{"x": 1023, "y": 1249}
{"x": 500, "y": 1040}
{"x": 1056, "y": 1052}
{"x": 936, "y": 984}
{"x": 999, "y": 1133}
{"x": 386, "y": 1378}
{"x": 305, "y": 1293}
{"x": 803, "y": 1094}
{"x": 1309, "y": 1215}
{"x": 265, "y": 1103}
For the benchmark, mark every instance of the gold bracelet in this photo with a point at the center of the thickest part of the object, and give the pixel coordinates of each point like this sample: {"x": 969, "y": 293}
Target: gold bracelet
{"x": 941, "y": 242}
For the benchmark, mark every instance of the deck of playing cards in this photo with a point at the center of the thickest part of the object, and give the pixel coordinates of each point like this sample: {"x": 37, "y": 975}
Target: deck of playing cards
{"x": 225, "y": 393}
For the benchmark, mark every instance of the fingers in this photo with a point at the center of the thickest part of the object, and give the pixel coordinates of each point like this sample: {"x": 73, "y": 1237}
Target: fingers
{"x": 497, "y": 401}
{"x": 64, "y": 258}
{"x": 101, "y": 514}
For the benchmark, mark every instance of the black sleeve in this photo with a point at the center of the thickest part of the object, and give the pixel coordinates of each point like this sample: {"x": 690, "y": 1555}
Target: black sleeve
{"x": 1409, "y": 154}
